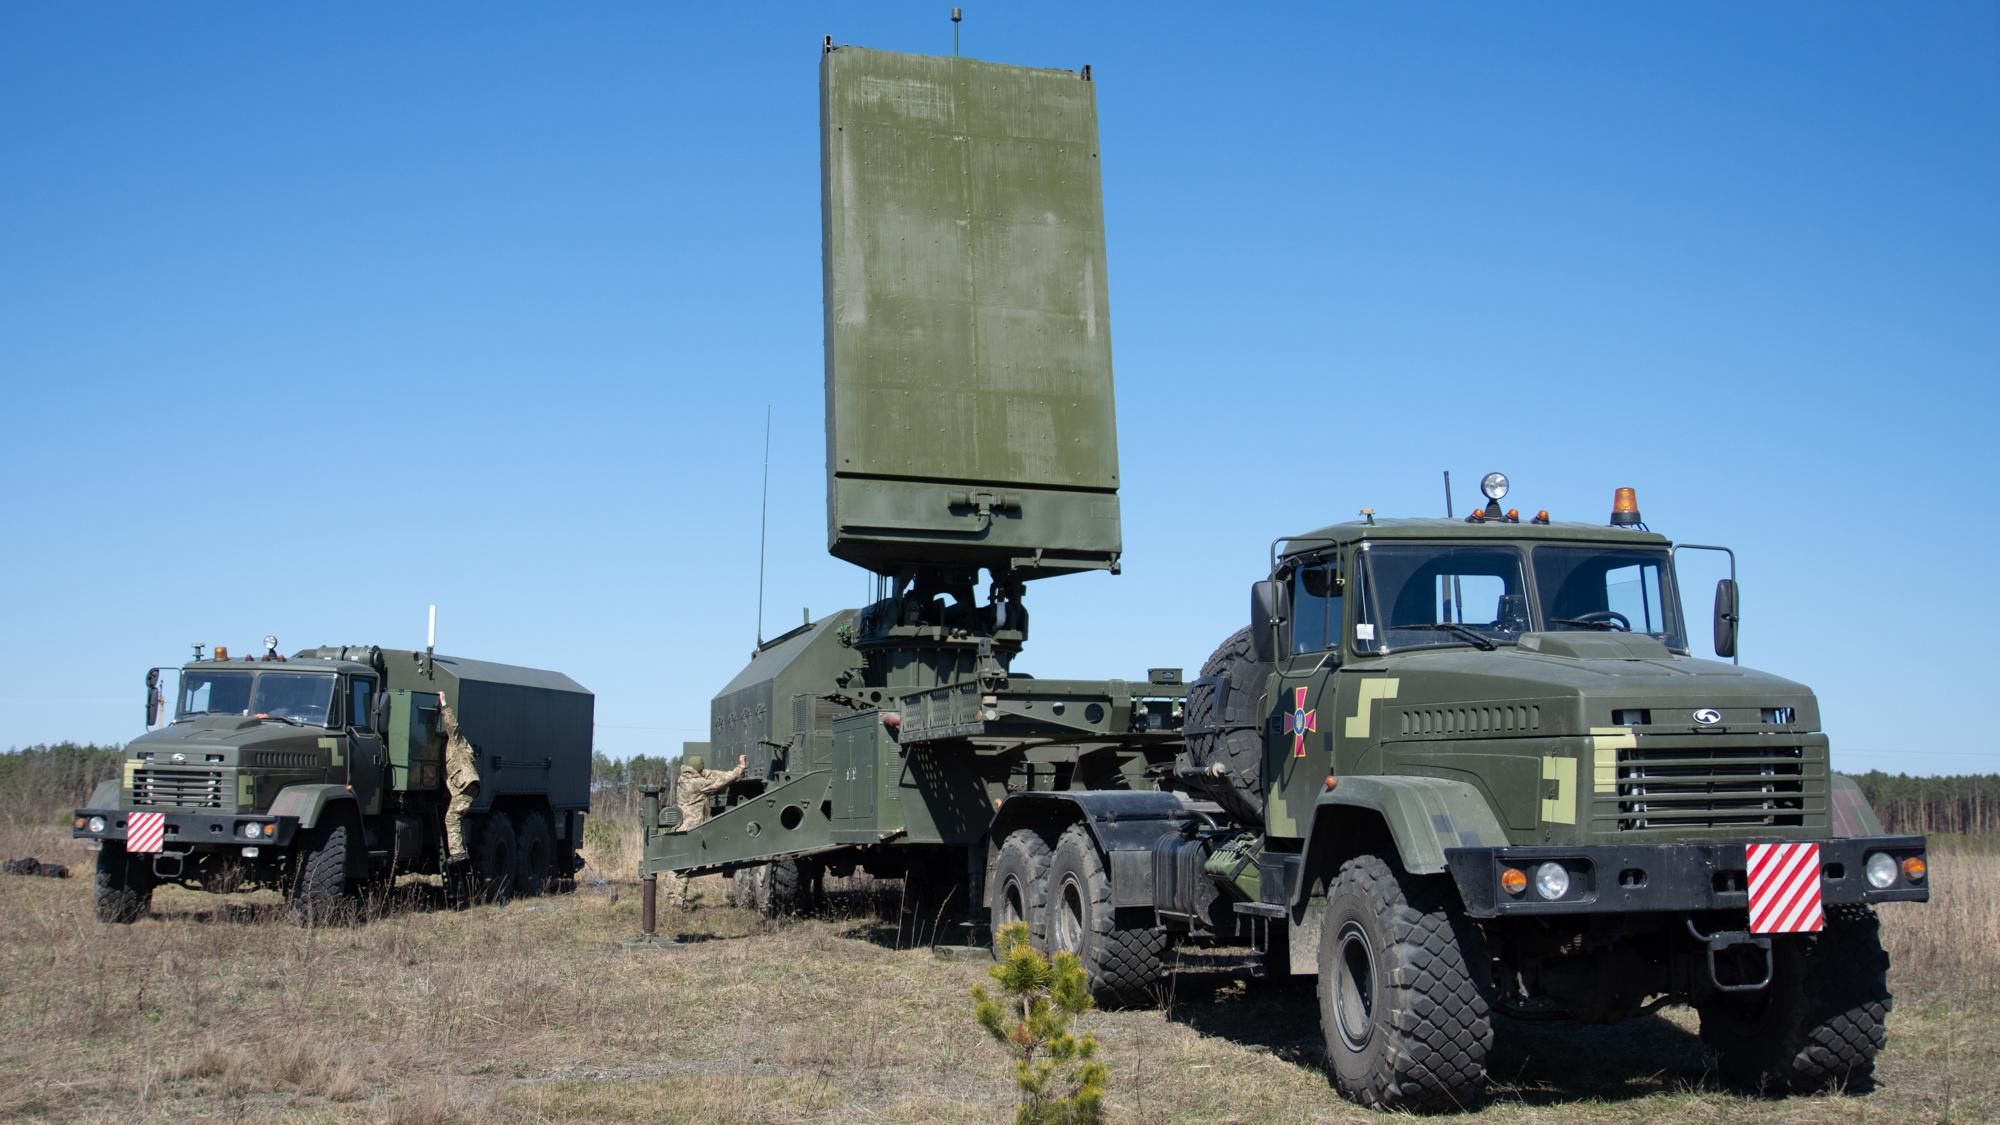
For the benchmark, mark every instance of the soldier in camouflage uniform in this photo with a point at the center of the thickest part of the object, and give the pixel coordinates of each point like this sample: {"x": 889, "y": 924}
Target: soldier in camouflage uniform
{"x": 461, "y": 780}
{"x": 691, "y": 793}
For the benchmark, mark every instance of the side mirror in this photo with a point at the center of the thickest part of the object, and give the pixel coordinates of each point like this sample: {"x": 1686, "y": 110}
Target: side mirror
{"x": 1270, "y": 605}
{"x": 378, "y": 718}
{"x": 155, "y": 701}
{"x": 1725, "y": 617}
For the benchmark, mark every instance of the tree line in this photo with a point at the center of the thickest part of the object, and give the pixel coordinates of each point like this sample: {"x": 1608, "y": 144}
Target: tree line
{"x": 1965, "y": 804}
{"x": 44, "y": 782}
{"x": 47, "y": 780}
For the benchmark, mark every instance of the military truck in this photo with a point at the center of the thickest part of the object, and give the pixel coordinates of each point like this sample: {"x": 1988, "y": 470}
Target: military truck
{"x": 1472, "y": 767}
{"x": 1450, "y": 768}
{"x": 322, "y": 774}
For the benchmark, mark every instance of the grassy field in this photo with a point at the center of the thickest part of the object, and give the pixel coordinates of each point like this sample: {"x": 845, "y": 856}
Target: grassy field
{"x": 533, "y": 1011}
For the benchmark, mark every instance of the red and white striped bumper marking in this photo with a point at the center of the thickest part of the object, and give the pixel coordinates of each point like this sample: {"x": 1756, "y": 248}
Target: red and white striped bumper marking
{"x": 1784, "y": 889}
{"x": 145, "y": 831}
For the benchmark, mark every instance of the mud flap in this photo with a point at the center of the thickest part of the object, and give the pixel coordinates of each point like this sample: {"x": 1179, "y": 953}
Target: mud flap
{"x": 1304, "y": 945}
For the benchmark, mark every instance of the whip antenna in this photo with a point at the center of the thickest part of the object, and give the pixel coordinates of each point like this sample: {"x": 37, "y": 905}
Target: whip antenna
{"x": 763, "y": 525}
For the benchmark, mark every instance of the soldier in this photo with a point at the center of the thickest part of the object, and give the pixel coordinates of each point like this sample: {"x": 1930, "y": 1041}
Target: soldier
{"x": 691, "y": 793}
{"x": 461, "y": 780}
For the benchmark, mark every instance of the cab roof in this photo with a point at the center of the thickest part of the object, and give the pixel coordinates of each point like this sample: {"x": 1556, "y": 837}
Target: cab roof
{"x": 298, "y": 663}
{"x": 1464, "y": 531}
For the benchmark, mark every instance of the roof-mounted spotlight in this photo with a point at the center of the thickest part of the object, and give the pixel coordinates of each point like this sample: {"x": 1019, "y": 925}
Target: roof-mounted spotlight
{"x": 1494, "y": 485}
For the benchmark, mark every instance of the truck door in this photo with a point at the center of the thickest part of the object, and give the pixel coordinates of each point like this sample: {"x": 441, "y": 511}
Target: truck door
{"x": 1298, "y": 737}
{"x": 366, "y": 762}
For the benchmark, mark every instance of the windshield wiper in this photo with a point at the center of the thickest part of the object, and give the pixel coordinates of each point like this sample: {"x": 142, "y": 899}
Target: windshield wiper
{"x": 1604, "y": 625}
{"x": 281, "y": 719}
{"x": 1478, "y": 640}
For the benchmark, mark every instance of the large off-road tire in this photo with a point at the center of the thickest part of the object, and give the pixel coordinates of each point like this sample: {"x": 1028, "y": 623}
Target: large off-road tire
{"x": 1124, "y": 963}
{"x": 1229, "y": 736}
{"x": 746, "y": 886}
{"x": 493, "y": 857}
{"x": 1821, "y": 1022}
{"x": 788, "y": 888}
{"x": 124, "y": 891}
{"x": 320, "y": 892}
{"x": 534, "y": 853}
{"x": 1019, "y": 884}
{"x": 1400, "y": 1004}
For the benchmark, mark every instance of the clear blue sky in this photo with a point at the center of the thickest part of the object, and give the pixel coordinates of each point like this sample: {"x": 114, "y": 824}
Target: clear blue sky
{"x": 312, "y": 316}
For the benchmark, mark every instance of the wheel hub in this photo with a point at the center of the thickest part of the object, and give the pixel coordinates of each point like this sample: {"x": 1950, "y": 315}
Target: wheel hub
{"x": 1069, "y": 917}
{"x": 1354, "y": 986}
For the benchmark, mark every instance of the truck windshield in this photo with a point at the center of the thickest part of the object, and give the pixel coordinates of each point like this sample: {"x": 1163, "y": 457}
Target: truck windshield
{"x": 1421, "y": 595}
{"x": 301, "y": 697}
{"x": 213, "y": 693}
{"x": 1607, "y": 588}
{"x": 1416, "y": 595}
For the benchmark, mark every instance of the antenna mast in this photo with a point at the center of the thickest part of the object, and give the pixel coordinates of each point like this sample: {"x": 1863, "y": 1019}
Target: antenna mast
{"x": 763, "y": 525}
{"x": 957, "y": 14}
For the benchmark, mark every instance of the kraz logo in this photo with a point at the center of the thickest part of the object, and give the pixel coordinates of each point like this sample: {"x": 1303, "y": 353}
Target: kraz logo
{"x": 1708, "y": 716}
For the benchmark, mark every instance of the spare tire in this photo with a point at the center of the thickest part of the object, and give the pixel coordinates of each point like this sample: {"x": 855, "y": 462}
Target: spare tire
{"x": 1224, "y": 728}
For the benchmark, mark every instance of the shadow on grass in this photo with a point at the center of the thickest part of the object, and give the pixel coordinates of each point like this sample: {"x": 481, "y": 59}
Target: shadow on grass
{"x": 408, "y": 897}
{"x": 1538, "y": 1063}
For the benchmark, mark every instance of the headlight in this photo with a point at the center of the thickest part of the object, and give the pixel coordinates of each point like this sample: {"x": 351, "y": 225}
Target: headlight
{"x": 1881, "y": 871}
{"x": 252, "y": 832}
{"x": 1551, "y": 880}
{"x": 1493, "y": 485}
{"x": 97, "y": 824}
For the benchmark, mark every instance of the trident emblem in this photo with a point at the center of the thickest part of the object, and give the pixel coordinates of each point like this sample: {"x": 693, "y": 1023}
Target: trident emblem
{"x": 1300, "y": 721}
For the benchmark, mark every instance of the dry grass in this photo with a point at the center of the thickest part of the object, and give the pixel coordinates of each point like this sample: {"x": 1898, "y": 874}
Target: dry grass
{"x": 534, "y": 1012}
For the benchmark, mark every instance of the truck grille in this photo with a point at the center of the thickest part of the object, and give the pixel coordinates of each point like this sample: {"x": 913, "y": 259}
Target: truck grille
{"x": 1691, "y": 787}
{"x": 177, "y": 789}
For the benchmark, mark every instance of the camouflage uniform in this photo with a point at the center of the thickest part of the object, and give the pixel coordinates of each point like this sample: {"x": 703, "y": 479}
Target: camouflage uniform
{"x": 461, "y": 780}
{"x": 691, "y": 793}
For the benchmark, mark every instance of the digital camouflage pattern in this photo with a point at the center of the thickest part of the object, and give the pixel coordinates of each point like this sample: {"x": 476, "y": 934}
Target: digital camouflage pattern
{"x": 461, "y": 779}
{"x": 691, "y": 793}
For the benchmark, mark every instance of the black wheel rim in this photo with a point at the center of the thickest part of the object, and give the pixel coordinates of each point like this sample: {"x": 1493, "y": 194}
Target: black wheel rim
{"x": 1354, "y": 986}
{"x": 1012, "y": 908}
{"x": 1068, "y": 935}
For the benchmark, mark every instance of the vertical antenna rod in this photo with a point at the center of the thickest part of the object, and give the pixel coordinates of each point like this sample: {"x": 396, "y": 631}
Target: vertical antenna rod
{"x": 430, "y": 640}
{"x": 763, "y": 525}
{"x": 957, "y": 14}
{"x": 1447, "y": 494}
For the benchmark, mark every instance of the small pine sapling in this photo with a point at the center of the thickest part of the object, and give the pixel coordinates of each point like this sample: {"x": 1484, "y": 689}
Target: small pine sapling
{"x": 1061, "y": 1080}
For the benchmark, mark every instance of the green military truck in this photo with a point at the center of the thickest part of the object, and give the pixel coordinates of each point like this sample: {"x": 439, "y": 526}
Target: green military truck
{"x": 322, "y": 774}
{"x": 1451, "y": 768}
{"x": 1459, "y": 768}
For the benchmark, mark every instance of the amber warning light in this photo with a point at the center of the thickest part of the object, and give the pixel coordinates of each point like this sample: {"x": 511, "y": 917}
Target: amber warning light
{"x": 1625, "y": 509}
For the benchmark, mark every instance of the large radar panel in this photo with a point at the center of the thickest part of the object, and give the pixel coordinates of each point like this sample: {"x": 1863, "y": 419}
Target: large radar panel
{"x": 970, "y": 420}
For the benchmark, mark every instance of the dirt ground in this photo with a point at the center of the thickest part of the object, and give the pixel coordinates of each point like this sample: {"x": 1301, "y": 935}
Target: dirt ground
{"x": 535, "y": 1011}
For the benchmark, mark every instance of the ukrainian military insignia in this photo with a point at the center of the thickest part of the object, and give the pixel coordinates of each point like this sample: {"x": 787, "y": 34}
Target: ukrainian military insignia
{"x": 1300, "y": 721}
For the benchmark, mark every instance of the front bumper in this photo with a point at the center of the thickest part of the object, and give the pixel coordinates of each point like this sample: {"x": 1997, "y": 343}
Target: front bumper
{"x": 187, "y": 829}
{"x": 1640, "y": 878}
